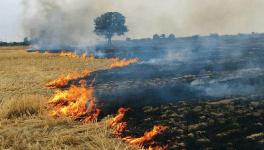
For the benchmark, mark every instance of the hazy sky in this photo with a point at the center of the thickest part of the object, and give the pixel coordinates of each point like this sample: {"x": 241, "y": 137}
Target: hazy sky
{"x": 11, "y": 21}
{"x": 146, "y": 17}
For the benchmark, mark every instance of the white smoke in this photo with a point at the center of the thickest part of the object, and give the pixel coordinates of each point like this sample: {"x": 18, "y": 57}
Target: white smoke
{"x": 60, "y": 22}
{"x": 57, "y": 24}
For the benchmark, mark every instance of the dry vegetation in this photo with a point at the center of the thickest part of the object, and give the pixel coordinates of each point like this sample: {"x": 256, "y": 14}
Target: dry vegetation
{"x": 23, "y": 122}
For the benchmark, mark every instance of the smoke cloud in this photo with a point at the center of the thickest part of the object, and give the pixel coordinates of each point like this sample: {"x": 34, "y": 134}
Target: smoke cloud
{"x": 66, "y": 22}
{"x": 56, "y": 24}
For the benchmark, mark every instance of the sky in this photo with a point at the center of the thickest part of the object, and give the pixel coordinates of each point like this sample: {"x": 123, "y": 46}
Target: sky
{"x": 144, "y": 17}
{"x": 11, "y": 12}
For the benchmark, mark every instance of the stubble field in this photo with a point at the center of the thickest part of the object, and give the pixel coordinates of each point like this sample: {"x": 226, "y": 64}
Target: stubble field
{"x": 24, "y": 123}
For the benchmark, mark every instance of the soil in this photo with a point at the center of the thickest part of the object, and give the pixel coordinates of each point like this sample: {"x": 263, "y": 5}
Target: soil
{"x": 235, "y": 123}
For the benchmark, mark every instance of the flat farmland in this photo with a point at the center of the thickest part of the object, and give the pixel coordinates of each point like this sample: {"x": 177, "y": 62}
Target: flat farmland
{"x": 24, "y": 123}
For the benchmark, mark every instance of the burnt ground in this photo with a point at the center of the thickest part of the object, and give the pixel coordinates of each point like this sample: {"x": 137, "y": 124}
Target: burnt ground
{"x": 230, "y": 119}
{"x": 209, "y": 92}
{"x": 234, "y": 123}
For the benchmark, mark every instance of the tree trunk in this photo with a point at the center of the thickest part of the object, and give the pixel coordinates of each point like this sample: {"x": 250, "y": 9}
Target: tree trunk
{"x": 109, "y": 42}
{"x": 109, "y": 38}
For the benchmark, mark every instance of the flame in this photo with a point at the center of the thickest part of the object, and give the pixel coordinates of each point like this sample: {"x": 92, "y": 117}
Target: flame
{"x": 119, "y": 126}
{"x": 77, "y": 103}
{"x": 73, "y": 55}
{"x": 34, "y": 52}
{"x": 64, "y": 80}
{"x": 69, "y": 54}
{"x": 158, "y": 147}
{"x": 117, "y": 62}
{"x": 116, "y": 122}
{"x": 119, "y": 117}
{"x": 83, "y": 57}
{"x": 46, "y": 53}
{"x": 91, "y": 57}
{"x": 157, "y": 129}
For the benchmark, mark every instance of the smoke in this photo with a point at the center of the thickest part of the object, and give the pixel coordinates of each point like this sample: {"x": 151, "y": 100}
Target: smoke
{"x": 224, "y": 84}
{"x": 189, "y": 17}
{"x": 54, "y": 24}
{"x": 60, "y": 24}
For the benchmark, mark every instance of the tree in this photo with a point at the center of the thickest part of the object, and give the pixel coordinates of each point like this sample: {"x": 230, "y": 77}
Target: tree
{"x": 110, "y": 24}
{"x": 156, "y": 37}
{"x": 171, "y": 37}
{"x": 26, "y": 41}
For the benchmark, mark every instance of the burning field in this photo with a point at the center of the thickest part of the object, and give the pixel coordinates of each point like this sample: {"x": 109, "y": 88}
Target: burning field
{"x": 191, "y": 99}
{"x": 142, "y": 102}
{"x": 69, "y": 116}
{"x": 79, "y": 104}
{"x": 25, "y": 122}
{"x": 132, "y": 75}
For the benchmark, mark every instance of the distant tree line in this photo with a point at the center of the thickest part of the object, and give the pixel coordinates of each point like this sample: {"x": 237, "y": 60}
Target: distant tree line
{"x": 163, "y": 36}
{"x": 26, "y": 42}
{"x": 156, "y": 37}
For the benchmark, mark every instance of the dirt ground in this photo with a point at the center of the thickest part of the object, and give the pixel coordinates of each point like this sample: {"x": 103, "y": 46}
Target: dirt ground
{"x": 231, "y": 123}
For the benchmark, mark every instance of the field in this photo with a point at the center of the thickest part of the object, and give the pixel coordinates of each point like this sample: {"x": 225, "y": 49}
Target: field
{"x": 193, "y": 121}
{"x": 207, "y": 90}
{"x": 24, "y": 123}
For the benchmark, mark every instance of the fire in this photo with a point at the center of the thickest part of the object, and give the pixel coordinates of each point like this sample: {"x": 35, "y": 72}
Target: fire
{"x": 90, "y": 57}
{"x": 119, "y": 117}
{"x": 68, "y": 54}
{"x": 117, "y": 62}
{"x": 158, "y": 147}
{"x": 148, "y": 136}
{"x": 83, "y": 57}
{"x": 119, "y": 126}
{"x": 116, "y": 122}
{"x": 64, "y": 80}
{"x": 77, "y": 103}
{"x": 47, "y": 53}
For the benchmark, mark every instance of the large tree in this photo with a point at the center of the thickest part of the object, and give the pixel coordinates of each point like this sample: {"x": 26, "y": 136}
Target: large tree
{"x": 110, "y": 24}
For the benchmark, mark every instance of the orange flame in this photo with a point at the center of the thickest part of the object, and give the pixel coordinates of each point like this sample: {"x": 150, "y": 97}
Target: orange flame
{"x": 47, "y": 53}
{"x": 83, "y": 57}
{"x": 91, "y": 57}
{"x": 73, "y": 103}
{"x": 117, "y": 62}
{"x": 68, "y": 54}
{"x": 147, "y": 136}
{"x": 78, "y": 103}
{"x": 158, "y": 147}
{"x": 118, "y": 118}
{"x": 116, "y": 122}
{"x": 64, "y": 80}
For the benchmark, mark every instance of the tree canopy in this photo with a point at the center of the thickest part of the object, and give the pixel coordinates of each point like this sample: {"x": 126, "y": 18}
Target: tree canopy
{"x": 110, "y": 24}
